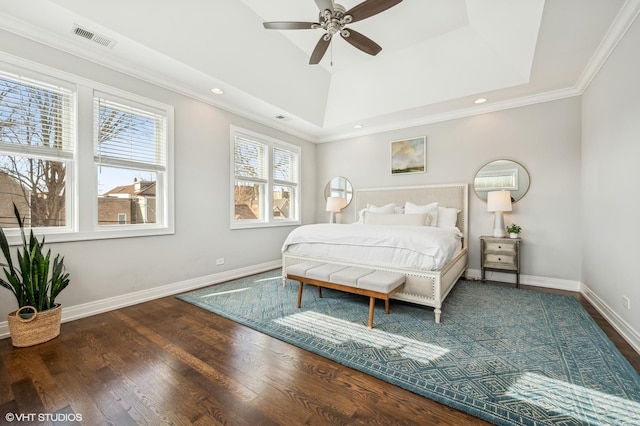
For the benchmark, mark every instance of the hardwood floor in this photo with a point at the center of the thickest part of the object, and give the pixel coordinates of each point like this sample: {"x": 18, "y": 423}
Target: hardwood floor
{"x": 169, "y": 362}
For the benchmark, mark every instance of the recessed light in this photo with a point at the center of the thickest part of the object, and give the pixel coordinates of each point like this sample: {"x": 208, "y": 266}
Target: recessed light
{"x": 480, "y": 101}
{"x": 217, "y": 91}
{"x": 358, "y": 126}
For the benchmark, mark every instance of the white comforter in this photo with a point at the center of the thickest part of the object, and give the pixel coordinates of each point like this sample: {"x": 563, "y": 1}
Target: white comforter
{"x": 415, "y": 247}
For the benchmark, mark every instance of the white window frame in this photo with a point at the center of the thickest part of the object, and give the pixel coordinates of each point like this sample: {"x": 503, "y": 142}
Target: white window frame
{"x": 150, "y": 107}
{"x": 81, "y": 178}
{"x": 268, "y": 219}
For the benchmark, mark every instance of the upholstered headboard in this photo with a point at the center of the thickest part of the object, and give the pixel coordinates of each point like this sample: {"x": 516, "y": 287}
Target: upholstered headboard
{"x": 447, "y": 195}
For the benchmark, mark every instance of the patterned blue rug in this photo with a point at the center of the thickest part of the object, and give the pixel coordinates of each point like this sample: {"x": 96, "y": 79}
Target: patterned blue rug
{"x": 508, "y": 356}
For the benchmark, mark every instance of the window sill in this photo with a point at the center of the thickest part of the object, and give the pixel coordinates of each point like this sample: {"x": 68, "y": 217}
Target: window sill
{"x": 254, "y": 225}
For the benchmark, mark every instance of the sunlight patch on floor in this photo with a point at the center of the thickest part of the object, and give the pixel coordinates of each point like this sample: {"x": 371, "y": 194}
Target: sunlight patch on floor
{"x": 220, "y": 293}
{"x": 583, "y": 404}
{"x": 340, "y": 331}
{"x": 268, "y": 278}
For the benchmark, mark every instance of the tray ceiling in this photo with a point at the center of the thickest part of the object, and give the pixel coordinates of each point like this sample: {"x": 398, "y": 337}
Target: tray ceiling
{"x": 437, "y": 57}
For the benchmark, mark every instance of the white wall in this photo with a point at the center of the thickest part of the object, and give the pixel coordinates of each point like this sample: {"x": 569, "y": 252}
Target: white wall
{"x": 114, "y": 268}
{"x": 610, "y": 176}
{"x": 545, "y": 138}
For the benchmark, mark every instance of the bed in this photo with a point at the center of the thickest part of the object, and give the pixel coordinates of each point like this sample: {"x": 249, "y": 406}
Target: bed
{"x": 427, "y": 283}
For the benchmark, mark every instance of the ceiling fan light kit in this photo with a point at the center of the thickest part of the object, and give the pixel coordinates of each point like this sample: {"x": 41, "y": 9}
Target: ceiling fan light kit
{"x": 333, "y": 19}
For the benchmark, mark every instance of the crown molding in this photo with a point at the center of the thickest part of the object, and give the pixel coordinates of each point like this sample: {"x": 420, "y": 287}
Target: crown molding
{"x": 308, "y": 131}
{"x": 627, "y": 15}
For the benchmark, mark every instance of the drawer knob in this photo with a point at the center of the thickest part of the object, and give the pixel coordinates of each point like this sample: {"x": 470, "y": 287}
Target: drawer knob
{"x": 499, "y": 247}
{"x": 500, "y": 259}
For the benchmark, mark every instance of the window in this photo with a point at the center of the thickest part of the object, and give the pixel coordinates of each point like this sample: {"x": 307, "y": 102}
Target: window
{"x": 263, "y": 166}
{"x": 36, "y": 151}
{"x": 130, "y": 159}
{"x": 71, "y": 187}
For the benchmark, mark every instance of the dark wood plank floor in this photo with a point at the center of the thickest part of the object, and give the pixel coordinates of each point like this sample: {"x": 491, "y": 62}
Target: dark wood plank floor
{"x": 168, "y": 362}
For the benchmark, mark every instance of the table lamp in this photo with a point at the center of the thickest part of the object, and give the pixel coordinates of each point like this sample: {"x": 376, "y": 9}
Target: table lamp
{"x": 499, "y": 202}
{"x": 335, "y": 205}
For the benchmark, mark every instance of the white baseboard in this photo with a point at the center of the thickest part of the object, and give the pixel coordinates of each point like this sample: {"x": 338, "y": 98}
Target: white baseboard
{"x": 545, "y": 282}
{"x": 70, "y": 313}
{"x": 626, "y": 331}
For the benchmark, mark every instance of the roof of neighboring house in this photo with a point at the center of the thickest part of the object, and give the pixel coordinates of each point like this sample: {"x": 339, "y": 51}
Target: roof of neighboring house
{"x": 243, "y": 211}
{"x": 279, "y": 204}
{"x": 147, "y": 188}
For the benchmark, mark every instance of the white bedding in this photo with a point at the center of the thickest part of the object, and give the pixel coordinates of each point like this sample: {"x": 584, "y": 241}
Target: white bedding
{"x": 424, "y": 248}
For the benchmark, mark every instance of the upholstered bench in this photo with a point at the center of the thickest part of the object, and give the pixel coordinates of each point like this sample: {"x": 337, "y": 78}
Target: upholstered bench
{"x": 350, "y": 279}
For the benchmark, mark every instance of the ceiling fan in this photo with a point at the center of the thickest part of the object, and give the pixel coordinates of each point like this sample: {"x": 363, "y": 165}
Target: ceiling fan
{"x": 333, "y": 19}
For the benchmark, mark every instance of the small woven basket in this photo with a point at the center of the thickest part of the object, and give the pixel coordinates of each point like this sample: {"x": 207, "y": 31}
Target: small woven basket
{"x": 39, "y": 328}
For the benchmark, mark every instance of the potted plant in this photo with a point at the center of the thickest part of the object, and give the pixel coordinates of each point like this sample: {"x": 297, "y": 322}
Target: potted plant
{"x": 514, "y": 230}
{"x": 35, "y": 283}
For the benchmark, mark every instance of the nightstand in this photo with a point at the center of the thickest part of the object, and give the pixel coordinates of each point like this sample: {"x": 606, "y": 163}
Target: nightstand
{"x": 500, "y": 254}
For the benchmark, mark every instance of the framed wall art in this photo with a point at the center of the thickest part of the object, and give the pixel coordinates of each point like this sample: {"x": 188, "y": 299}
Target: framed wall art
{"x": 409, "y": 155}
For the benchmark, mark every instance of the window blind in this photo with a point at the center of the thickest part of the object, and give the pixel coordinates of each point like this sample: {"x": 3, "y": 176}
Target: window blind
{"x": 36, "y": 119}
{"x": 250, "y": 159}
{"x": 285, "y": 165}
{"x": 129, "y": 136}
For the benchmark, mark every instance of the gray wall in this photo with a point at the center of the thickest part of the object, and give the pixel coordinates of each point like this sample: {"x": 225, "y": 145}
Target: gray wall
{"x": 108, "y": 268}
{"x": 545, "y": 138}
{"x": 610, "y": 177}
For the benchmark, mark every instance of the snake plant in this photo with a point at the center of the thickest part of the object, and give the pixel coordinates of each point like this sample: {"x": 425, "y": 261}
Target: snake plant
{"x": 33, "y": 280}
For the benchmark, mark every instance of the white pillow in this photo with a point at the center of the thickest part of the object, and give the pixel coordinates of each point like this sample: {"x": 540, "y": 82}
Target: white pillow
{"x": 431, "y": 209}
{"x": 447, "y": 217}
{"x": 421, "y": 219}
{"x": 387, "y": 209}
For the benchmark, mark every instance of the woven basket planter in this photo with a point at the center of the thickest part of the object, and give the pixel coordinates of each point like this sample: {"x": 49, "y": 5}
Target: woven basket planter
{"x": 39, "y": 328}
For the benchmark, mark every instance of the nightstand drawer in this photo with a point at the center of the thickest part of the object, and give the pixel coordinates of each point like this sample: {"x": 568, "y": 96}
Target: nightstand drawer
{"x": 500, "y": 247}
{"x": 506, "y": 261}
{"x": 500, "y": 254}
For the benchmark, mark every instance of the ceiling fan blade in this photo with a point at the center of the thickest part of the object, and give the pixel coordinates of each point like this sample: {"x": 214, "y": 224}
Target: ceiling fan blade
{"x": 324, "y": 5}
{"x": 369, "y": 8}
{"x": 291, "y": 25}
{"x": 363, "y": 43}
{"x": 319, "y": 51}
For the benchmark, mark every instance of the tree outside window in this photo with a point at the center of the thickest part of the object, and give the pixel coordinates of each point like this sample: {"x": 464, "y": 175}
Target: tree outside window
{"x": 36, "y": 149}
{"x": 264, "y": 166}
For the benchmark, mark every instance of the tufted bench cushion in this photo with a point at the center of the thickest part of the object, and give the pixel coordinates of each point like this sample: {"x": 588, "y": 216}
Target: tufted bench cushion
{"x": 351, "y": 279}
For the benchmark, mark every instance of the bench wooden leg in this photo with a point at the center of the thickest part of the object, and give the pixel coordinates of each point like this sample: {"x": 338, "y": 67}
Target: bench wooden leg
{"x": 300, "y": 294}
{"x": 386, "y": 306}
{"x": 372, "y": 305}
{"x": 320, "y": 292}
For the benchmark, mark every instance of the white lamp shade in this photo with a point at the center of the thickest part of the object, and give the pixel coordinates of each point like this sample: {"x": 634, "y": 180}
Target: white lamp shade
{"x": 335, "y": 204}
{"x": 499, "y": 201}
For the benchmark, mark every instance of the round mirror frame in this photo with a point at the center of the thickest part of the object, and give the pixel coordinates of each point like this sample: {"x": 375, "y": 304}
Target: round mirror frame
{"x": 339, "y": 187}
{"x": 502, "y": 174}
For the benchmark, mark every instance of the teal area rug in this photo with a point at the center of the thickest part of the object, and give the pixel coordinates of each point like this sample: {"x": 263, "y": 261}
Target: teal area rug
{"x": 508, "y": 356}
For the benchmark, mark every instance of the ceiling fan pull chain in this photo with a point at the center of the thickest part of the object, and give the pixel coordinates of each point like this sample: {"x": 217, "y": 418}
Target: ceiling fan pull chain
{"x": 331, "y": 45}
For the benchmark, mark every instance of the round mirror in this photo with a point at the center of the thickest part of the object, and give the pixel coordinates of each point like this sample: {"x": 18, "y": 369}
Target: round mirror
{"x": 502, "y": 175}
{"x": 339, "y": 187}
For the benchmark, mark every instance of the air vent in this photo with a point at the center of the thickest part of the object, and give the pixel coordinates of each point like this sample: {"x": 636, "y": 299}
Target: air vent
{"x": 92, "y": 36}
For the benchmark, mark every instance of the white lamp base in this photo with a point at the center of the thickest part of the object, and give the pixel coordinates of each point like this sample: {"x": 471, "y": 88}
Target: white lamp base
{"x": 498, "y": 225}
{"x": 332, "y": 218}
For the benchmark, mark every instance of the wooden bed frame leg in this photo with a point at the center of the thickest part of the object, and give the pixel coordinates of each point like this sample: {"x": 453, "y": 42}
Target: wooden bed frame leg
{"x": 437, "y": 311}
{"x": 320, "y": 292}
{"x": 300, "y": 294}
{"x": 372, "y": 305}
{"x": 386, "y": 306}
